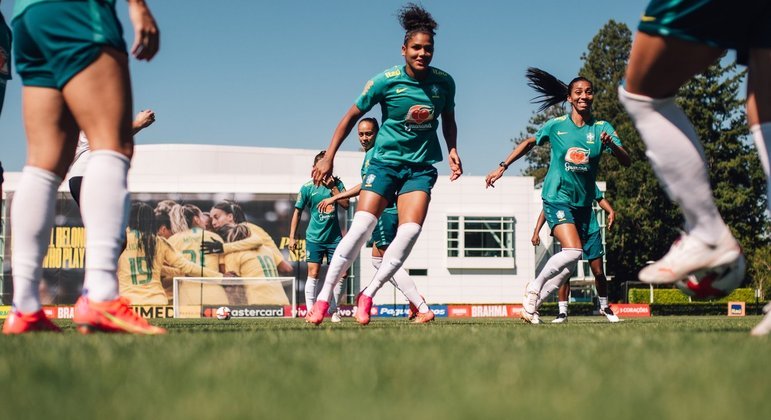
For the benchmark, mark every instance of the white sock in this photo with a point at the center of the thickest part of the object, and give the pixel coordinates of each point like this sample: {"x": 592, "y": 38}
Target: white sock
{"x": 104, "y": 204}
{"x": 32, "y": 217}
{"x": 677, "y": 157}
{"x": 377, "y": 262}
{"x": 310, "y": 292}
{"x": 554, "y": 283}
{"x": 347, "y": 250}
{"x": 393, "y": 258}
{"x": 555, "y": 269}
{"x": 762, "y": 135}
{"x": 337, "y": 294}
{"x": 603, "y": 302}
{"x": 404, "y": 283}
{"x": 563, "y": 305}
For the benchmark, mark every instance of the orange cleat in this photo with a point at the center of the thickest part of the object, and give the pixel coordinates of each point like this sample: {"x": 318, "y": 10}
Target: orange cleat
{"x": 414, "y": 310}
{"x": 111, "y": 316}
{"x": 421, "y": 318}
{"x": 363, "y": 308}
{"x": 316, "y": 314}
{"x": 19, "y": 323}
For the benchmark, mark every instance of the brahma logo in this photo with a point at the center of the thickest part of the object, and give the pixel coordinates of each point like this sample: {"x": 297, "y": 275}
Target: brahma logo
{"x": 577, "y": 156}
{"x": 419, "y": 114}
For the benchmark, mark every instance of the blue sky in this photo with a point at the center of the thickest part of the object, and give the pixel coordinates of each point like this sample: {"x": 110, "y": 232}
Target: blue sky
{"x": 282, "y": 73}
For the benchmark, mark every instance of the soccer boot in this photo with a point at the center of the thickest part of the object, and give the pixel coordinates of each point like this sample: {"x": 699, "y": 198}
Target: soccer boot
{"x": 561, "y": 317}
{"x": 423, "y": 318}
{"x": 363, "y": 308}
{"x": 316, "y": 314}
{"x": 764, "y": 327}
{"x": 529, "y": 306}
{"x": 336, "y": 317}
{"x": 111, "y": 316}
{"x": 609, "y": 314}
{"x": 19, "y": 323}
{"x": 689, "y": 254}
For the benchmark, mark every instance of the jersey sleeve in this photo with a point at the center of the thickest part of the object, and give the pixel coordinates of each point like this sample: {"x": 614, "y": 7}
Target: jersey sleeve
{"x": 373, "y": 93}
{"x": 302, "y": 198}
{"x": 450, "y": 104}
{"x": 542, "y": 135}
{"x": 597, "y": 193}
{"x": 252, "y": 242}
{"x": 340, "y": 186}
{"x": 607, "y": 128}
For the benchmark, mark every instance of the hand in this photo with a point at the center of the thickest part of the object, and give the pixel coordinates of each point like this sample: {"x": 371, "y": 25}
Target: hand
{"x": 329, "y": 181}
{"x": 456, "y": 167}
{"x": 147, "y": 37}
{"x": 231, "y": 274}
{"x": 606, "y": 139}
{"x": 321, "y": 170}
{"x": 535, "y": 240}
{"x": 292, "y": 245}
{"x": 611, "y": 219}
{"x": 212, "y": 247}
{"x": 494, "y": 176}
{"x": 324, "y": 203}
{"x": 144, "y": 119}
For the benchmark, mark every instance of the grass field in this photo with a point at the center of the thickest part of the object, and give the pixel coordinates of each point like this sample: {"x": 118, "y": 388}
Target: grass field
{"x": 666, "y": 367}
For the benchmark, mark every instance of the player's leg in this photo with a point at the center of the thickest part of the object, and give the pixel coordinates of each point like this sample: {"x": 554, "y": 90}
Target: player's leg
{"x": 562, "y": 303}
{"x": 601, "y": 283}
{"x": 657, "y": 67}
{"x": 759, "y": 109}
{"x": 337, "y": 291}
{"x": 313, "y": 275}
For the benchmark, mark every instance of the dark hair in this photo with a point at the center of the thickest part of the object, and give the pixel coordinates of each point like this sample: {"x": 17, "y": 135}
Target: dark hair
{"x": 231, "y": 207}
{"x": 142, "y": 219}
{"x": 319, "y": 156}
{"x": 162, "y": 219}
{"x": 415, "y": 19}
{"x": 552, "y": 90}
{"x": 372, "y": 121}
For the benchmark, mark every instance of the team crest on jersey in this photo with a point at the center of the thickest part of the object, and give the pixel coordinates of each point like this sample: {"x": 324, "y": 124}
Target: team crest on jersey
{"x": 434, "y": 91}
{"x": 419, "y": 117}
{"x": 590, "y": 138}
{"x": 560, "y": 215}
{"x": 369, "y": 180}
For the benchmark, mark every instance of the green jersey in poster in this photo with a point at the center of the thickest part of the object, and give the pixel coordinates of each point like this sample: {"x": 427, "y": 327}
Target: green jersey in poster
{"x": 323, "y": 228}
{"x": 411, "y": 109}
{"x": 575, "y": 159}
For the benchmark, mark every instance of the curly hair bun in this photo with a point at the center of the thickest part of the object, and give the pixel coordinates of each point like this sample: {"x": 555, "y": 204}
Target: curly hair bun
{"x": 414, "y": 18}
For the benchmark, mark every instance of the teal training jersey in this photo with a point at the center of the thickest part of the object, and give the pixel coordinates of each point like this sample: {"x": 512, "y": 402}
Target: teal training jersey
{"x": 575, "y": 159}
{"x": 21, "y": 5}
{"x": 323, "y": 227}
{"x": 411, "y": 109}
{"x": 367, "y": 157}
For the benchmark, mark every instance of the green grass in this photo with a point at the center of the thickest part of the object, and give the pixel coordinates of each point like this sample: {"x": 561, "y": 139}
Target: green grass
{"x": 665, "y": 367}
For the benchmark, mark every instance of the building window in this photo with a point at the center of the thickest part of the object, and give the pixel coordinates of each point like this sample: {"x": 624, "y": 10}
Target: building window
{"x": 480, "y": 237}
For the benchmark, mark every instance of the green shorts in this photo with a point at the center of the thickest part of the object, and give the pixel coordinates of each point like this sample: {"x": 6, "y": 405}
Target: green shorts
{"x": 392, "y": 179}
{"x": 559, "y": 213}
{"x": 315, "y": 252}
{"x": 730, "y": 24}
{"x": 385, "y": 231}
{"x": 593, "y": 246}
{"x": 54, "y": 41}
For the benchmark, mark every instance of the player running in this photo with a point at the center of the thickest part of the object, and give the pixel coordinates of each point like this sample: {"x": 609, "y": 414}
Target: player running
{"x": 411, "y": 97}
{"x": 384, "y": 233}
{"x": 577, "y": 141}
{"x": 72, "y": 59}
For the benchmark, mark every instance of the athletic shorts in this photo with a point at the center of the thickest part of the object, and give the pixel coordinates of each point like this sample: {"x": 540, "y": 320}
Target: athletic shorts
{"x": 392, "y": 179}
{"x": 385, "y": 231}
{"x": 558, "y": 213}
{"x": 730, "y": 24}
{"x": 54, "y": 41}
{"x": 315, "y": 252}
{"x": 593, "y": 246}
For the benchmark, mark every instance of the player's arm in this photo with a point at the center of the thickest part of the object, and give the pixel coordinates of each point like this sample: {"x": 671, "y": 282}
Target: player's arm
{"x": 252, "y": 242}
{"x": 616, "y": 149}
{"x": 293, "y": 229}
{"x": 518, "y": 152}
{"x": 536, "y": 239}
{"x": 450, "y": 133}
{"x": 323, "y": 168}
{"x": 175, "y": 260}
{"x": 142, "y": 120}
{"x": 337, "y": 187}
{"x": 605, "y": 205}
{"x": 353, "y": 192}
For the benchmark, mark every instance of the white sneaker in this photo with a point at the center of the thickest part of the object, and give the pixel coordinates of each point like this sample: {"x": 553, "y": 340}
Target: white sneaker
{"x": 336, "y": 317}
{"x": 561, "y": 317}
{"x": 529, "y": 309}
{"x": 609, "y": 314}
{"x": 764, "y": 327}
{"x": 689, "y": 254}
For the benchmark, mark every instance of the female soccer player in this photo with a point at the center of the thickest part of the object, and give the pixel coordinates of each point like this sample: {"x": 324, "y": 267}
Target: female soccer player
{"x": 323, "y": 233}
{"x": 411, "y": 97}
{"x": 73, "y": 63}
{"x": 189, "y": 232}
{"x": 675, "y": 41}
{"x": 592, "y": 250}
{"x": 229, "y": 213}
{"x": 577, "y": 142}
{"x": 384, "y": 232}
{"x": 140, "y": 264}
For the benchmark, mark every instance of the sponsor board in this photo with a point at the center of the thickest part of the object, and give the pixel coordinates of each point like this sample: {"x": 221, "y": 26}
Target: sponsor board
{"x": 736, "y": 309}
{"x": 248, "y": 311}
{"x": 4, "y": 311}
{"x": 154, "y": 311}
{"x": 631, "y": 310}
{"x": 484, "y": 311}
{"x": 395, "y": 311}
{"x": 459, "y": 311}
{"x": 345, "y": 311}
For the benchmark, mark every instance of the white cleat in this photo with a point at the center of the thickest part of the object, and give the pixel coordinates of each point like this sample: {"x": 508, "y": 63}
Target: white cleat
{"x": 764, "y": 327}
{"x": 609, "y": 314}
{"x": 529, "y": 308}
{"x": 689, "y": 254}
{"x": 561, "y": 317}
{"x": 336, "y": 317}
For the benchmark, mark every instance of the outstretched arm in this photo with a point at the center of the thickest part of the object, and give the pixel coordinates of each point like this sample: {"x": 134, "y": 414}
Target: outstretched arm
{"x": 515, "y": 154}
{"x": 353, "y": 192}
{"x": 323, "y": 168}
{"x": 618, "y": 151}
{"x": 142, "y": 120}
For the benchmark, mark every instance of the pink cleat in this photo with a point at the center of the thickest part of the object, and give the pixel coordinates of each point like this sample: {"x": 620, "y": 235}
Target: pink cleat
{"x": 19, "y": 323}
{"x": 316, "y": 314}
{"x": 363, "y": 308}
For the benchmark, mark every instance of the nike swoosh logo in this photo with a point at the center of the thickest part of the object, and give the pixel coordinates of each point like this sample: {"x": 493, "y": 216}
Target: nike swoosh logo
{"x": 561, "y": 133}
{"x": 400, "y": 90}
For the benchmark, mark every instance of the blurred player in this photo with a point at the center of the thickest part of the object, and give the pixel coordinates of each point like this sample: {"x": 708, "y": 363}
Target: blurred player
{"x": 411, "y": 97}
{"x": 5, "y": 58}
{"x": 142, "y": 120}
{"x": 73, "y": 63}
{"x": 384, "y": 232}
{"x": 593, "y": 252}
{"x": 577, "y": 142}
{"x": 322, "y": 234}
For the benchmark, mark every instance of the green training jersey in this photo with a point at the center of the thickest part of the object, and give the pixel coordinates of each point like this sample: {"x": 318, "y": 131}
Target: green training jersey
{"x": 575, "y": 159}
{"x": 367, "y": 157}
{"x": 411, "y": 109}
{"x": 21, "y": 5}
{"x": 323, "y": 227}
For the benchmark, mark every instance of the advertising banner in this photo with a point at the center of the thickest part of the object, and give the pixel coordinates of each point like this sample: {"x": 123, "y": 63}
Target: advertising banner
{"x": 736, "y": 308}
{"x": 484, "y": 311}
{"x": 631, "y": 310}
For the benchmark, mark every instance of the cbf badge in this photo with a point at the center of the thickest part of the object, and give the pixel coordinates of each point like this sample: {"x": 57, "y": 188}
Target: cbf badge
{"x": 560, "y": 215}
{"x": 369, "y": 180}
